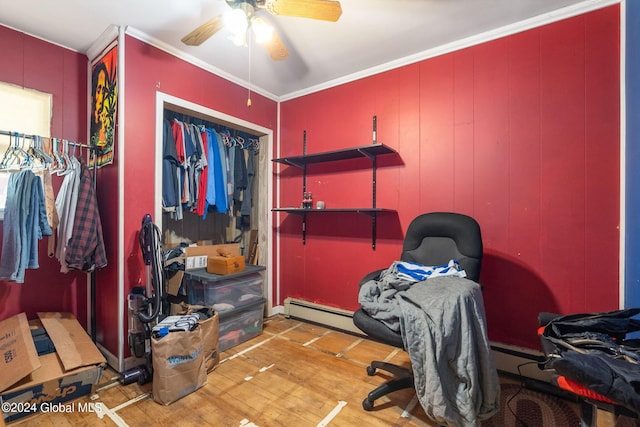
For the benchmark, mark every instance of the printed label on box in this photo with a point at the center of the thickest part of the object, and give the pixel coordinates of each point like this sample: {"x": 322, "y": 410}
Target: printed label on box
{"x": 194, "y": 262}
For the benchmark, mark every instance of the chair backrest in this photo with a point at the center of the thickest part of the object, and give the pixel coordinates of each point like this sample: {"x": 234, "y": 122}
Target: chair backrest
{"x": 435, "y": 238}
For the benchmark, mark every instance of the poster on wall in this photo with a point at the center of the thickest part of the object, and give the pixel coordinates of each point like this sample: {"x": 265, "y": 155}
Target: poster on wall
{"x": 104, "y": 104}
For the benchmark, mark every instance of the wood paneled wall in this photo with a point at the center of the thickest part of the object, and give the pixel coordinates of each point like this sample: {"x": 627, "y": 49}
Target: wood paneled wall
{"x": 522, "y": 133}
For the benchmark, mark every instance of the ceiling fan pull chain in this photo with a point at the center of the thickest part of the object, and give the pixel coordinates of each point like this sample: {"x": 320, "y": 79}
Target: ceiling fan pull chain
{"x": 249, "y": 86}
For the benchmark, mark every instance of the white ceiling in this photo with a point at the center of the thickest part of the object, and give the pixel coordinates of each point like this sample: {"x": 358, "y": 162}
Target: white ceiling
{"x": 371, "y": 35}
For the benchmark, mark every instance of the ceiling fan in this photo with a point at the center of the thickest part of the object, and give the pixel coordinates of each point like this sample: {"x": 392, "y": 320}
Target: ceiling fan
{"x": 242, "y": 17}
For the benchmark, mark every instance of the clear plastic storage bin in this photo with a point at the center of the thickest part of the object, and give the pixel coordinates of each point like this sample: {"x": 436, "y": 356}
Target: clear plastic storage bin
{"x": 224, "y": 292}
{"x": 240, "y": 325}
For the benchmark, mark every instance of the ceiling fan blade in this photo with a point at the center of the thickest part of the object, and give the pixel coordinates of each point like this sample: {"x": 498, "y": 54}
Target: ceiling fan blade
{"x": 276, "y": 49}
{"x": 203, "y": 32}
{"x": 325, "y": 10}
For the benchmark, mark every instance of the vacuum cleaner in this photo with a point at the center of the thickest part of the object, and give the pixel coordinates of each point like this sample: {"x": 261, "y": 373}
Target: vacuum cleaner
{"x": 146, "y": 305}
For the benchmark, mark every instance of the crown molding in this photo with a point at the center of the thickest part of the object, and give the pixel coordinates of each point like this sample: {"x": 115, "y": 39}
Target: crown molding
{"x": 508, "y": 30}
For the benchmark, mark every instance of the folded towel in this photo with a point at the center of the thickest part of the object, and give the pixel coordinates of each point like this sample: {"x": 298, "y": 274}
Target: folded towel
{"x": 417, "y": 272}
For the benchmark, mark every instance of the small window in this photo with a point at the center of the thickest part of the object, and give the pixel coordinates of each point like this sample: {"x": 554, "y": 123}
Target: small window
{"x": 24, "y": 111}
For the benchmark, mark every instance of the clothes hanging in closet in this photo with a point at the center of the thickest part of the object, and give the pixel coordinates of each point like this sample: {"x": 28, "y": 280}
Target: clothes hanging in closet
{"x": 205, "y": 170}
{"x": 25, "y": 223}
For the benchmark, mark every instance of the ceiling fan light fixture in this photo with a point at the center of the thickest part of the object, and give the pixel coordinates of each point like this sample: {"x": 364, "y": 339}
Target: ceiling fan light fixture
{"x": 262, "y": 30}
{"x": 242, "y": 15}
{"x": 239, "y": 39}
{"x": 237, "y": 23}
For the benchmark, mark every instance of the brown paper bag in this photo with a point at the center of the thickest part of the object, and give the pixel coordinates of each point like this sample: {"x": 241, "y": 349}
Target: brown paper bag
{"x": 178, "y": 365}
{"x": 210, "y": 332}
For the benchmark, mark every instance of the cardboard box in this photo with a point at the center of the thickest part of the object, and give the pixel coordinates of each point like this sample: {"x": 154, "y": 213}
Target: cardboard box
{"x": 197, "y": 255}
{"x": 19, "y": 355}
{"x": 52, "y": 379}
{"x": 225, "y": 265}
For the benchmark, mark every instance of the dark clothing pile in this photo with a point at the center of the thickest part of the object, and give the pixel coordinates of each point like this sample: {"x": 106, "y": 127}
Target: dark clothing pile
{"x": 595, "y": 351}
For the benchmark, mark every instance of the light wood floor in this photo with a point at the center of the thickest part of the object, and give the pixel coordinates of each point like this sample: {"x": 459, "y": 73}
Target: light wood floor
{"x": 293, "y": 374}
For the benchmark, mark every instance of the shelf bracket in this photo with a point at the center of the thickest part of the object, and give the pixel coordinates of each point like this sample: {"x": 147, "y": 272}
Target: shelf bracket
{"x": 374, "y": 161}
{"x": 374, "y": 217}
{"x": 304, "y": 187}
{"x": 304, "y": 166}
{"x": 304, "y": 228}
{"x": 373, "y": 231}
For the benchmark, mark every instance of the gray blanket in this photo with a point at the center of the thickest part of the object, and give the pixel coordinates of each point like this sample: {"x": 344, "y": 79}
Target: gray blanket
{"x": 443, "y": 326}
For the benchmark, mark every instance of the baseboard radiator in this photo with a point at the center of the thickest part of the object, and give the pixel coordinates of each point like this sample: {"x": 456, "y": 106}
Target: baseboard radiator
{"x": 317, "y": 313}
{"x": 508, "y": 359}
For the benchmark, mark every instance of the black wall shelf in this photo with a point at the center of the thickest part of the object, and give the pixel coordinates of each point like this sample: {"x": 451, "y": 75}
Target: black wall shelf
{"x": 370, "y": 151}
{"x": 302, "y": 211}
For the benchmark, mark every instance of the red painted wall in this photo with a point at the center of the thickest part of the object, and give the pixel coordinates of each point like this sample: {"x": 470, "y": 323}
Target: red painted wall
{"x": 522, "y": 133}
{"x": 31, "y": 63}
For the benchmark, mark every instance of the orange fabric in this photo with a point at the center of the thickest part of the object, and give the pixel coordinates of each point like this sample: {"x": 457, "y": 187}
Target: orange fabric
{"x": 577, "y": 388}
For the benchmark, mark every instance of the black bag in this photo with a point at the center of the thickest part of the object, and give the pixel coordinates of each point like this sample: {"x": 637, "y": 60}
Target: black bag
{"x": 595, "y": 351}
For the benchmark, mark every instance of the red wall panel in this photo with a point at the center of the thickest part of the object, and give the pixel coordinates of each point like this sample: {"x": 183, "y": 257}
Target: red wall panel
{"x": 463, "y": 131}
{"x": 522, "y": 133}
{"x": 435, "y": 190}
{"x": 34, "y": 64}
{"x": 602, "y": 224}
{"x": 562, "y": 131}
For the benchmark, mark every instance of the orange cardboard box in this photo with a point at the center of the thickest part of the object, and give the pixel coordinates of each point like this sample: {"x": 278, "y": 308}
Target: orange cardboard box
{"x": 225, "y": 265}
{"x": 197, "y": 255}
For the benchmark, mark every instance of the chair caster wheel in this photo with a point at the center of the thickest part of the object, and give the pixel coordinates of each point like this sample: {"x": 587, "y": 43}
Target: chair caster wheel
{"x": 371, "y": 370}
{"x": 367, "y": 404}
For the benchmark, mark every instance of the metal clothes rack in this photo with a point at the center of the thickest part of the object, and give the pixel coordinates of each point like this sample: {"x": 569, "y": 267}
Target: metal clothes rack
{"x": 92, "y": 150}
{"x": 32, "y": 137}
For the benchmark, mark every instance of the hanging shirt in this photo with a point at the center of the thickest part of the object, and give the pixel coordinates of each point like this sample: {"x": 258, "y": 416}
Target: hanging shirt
{"x": 212, "y": 153}
{"x": 204, "y": 175}
{"x": 178, "y": 136}
{"x": 199, "y": 167}
{"x": 189, "y": 196}
{"x": 52, "y": 213}
{"x": 169, "y": 169}
{"x": 240, "y": 174}
{"x": 247, "y": 197}
{"x": 66, "y": 207}
{"x": 25, "y": 223}
{"x": 221, "y": 177}
{"x": 231, "y": 161}
{"x": 37, "y": 225}
{"x": 11, "y": 241}
{"x": 86, "y": 250}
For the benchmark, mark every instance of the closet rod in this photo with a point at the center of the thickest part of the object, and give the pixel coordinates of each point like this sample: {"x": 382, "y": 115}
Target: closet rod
{"x": 24, "y": 135}
{"x": 219, "y": 127}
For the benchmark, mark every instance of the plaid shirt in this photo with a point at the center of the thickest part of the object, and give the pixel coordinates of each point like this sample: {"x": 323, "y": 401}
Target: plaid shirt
{"x": 85, "y": 249}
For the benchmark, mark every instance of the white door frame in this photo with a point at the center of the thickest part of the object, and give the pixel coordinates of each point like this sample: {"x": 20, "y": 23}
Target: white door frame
{"x": 265, "y": 222}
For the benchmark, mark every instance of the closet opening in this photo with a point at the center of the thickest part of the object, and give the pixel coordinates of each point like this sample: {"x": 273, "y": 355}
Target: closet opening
{"x": 240, "y": 189}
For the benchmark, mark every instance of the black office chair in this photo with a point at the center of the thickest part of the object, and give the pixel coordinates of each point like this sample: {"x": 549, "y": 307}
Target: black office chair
{"x": 432, "y": 239}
